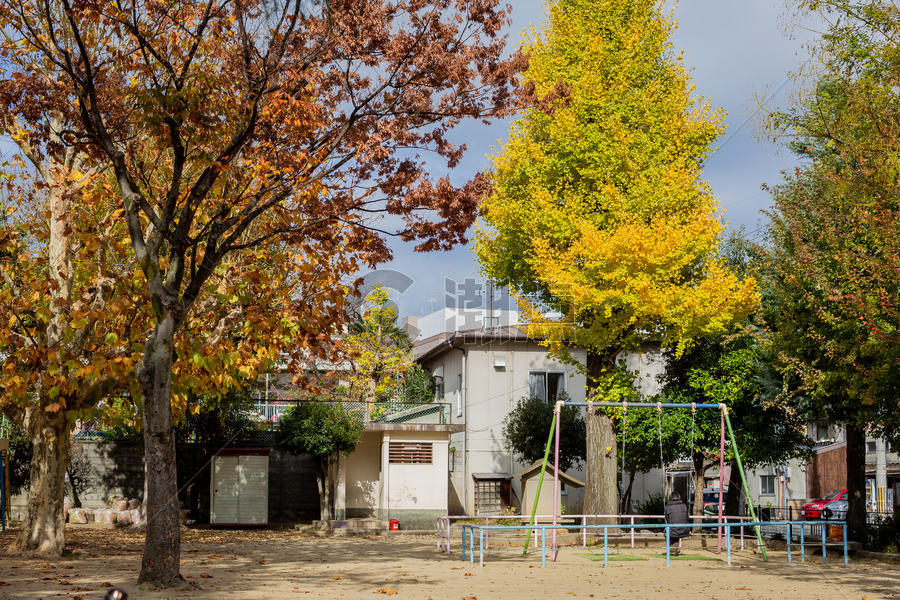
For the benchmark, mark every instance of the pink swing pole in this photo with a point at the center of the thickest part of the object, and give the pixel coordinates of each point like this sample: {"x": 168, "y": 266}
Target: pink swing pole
{"x": 721, "y": 479}
{"x": 553, "y": 550}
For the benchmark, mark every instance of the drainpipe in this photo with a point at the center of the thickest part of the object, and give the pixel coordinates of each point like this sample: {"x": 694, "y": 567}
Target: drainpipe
{"x": 460, "y": 403}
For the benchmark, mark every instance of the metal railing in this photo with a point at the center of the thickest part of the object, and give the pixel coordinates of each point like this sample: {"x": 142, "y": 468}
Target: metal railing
{"x": 386, "y": 411}
{"x": 445, "y": 523}
{"x": 788, "y": 525}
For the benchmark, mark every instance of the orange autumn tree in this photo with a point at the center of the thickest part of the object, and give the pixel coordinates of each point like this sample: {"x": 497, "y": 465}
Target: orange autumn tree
{"x": 598, "y": 213}
{"x": 230, "y": 124}
{"x": 74, "y": 327}
{"x": 67, "y": 287}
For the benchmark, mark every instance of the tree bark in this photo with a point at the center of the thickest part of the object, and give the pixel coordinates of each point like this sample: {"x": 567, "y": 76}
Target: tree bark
{"x": 625, "y": 507}
{"x": 733, "y": 497}
{"x": 856, "y": 481}
{"x": 698, "y": 483}
{"x": 76, "y": 500}
{"x": 322, "y": 480}
{"x": 43, "y": 529}
{"x": 600, "y": 485}
{"x": 162, "y": 545}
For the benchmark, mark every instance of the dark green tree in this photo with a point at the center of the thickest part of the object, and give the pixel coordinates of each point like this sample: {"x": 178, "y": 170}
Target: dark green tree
{"x": 833, "y": 272}
{"x": 325, "y": 430}
{"x": 527, "y": 426}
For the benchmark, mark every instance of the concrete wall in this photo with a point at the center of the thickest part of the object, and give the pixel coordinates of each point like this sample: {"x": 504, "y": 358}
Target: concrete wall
{"x": 363, "y": 476}
{"x": 117, "y": 469}
{"x": 417, "y": 486}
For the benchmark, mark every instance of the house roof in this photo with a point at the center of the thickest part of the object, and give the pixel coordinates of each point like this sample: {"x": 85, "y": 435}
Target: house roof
{"x": 535, "y": 468}
{"x": 436, "y": 345}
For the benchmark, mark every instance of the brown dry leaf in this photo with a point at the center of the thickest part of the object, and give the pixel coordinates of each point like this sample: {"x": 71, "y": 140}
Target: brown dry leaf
{"x": 301, "y": 591}
{"x": 264, "y": 561}
{"x": 106, "y": 584}
{"x": 467, "y": 574}
{"x": 337, "y": 578}
{"x": 206, "y": 576}
{"x": 743, "y": 588}
{"x": 469, "y": 598}
{"x": 388, "y": 591}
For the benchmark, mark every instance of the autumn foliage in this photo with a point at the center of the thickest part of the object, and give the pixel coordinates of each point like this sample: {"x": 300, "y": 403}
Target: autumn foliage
{"x": 229, "y": 126}
{"x": 598, "y": 216}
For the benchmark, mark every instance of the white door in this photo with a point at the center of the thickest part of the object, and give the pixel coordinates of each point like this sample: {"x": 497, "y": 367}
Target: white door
{"x": 225, "y": 490}
{"x": 253, "y": 502}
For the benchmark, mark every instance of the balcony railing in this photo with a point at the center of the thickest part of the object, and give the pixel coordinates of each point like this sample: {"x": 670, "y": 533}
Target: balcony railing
{"x": 387, "y": 411}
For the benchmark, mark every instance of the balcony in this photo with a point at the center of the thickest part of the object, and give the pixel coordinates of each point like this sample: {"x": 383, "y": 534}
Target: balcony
{"x": 388, "y": 411}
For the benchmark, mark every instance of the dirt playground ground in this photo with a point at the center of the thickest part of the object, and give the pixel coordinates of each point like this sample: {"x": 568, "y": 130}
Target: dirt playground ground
{"x": 286, "y": 564}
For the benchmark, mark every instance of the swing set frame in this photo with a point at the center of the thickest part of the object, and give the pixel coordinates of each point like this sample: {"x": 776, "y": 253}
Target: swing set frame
{"x": 725, "y": 423}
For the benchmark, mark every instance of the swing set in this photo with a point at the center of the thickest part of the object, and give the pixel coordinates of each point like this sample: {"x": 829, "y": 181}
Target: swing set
{"x": 471, "y": 532}
{"x": 553, "y": 439}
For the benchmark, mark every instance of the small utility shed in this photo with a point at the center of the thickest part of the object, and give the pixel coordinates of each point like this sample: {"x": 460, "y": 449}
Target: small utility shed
{"x": 398, "y": 471}
{"x": 239, "y": 487}
{"x": 530, "y": 477}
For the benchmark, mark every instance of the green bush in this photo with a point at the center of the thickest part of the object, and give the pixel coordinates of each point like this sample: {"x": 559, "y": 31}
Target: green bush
{"x": 883, "y": 535}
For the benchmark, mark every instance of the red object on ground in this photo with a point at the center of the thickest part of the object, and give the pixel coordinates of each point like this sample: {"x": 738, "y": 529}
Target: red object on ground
{"x": 394, "y": 524}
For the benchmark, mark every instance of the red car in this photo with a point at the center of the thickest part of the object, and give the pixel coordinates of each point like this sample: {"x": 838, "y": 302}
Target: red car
{"x": 814, "y": 509}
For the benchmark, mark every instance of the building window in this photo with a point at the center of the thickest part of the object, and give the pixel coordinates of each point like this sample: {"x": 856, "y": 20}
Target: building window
{"x": 767, "y": 485}
{"x": 870, "y": 447}
{"x": 409, "y": 453}
{"x": 546, "y": 385}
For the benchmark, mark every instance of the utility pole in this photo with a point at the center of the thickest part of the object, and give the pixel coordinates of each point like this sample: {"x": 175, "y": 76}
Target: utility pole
{"x": 880, "y": 476}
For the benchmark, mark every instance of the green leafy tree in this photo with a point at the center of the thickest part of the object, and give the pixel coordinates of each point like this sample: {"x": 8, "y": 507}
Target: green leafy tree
{"x": 418, "y": 385}
{"x": 598, "y": 209}
{"x": 325, "y": 430}
{"x": 834, "y": 260}
{"x": 527, "y": 426}
{"x": 733, "y": 370}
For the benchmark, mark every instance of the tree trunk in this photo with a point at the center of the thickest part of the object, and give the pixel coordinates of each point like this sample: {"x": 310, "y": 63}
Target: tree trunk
{"x": 698, "y": 483}
{"x": 625, "y": 507}
{"x": 856, "y": 482}
{"x": 76, "y": 500}
{"x": 733, "y": 505}
{"x": 43, "y": 529}
{"x": 600, "y": 486}
{"x": 162, "y": 545}
{"x": 322, "y": 480}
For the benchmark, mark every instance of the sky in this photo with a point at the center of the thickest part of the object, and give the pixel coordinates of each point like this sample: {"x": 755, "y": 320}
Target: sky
{"x": 741, "y": 53}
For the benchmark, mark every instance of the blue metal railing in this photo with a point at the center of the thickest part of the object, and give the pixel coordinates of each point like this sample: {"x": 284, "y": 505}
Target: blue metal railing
{"x": 788, "y": 525}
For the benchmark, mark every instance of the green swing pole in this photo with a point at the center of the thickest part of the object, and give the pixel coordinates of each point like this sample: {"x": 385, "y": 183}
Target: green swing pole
{"x": 537, "y": 495}
{"x": 737, "y": 458}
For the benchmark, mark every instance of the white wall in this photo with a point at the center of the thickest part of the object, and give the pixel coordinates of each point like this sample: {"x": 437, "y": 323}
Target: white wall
{"x": 422, "y": 486}
{"x": 363, "y": 472}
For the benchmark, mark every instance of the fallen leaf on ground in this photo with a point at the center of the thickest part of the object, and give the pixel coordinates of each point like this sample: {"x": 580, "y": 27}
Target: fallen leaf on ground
{"x": 743, "y": 588}
{"x": 338, "y": 578}
{"x": 388, "y": 591}
{"x": 106, "y": 584}
{"x": 264, "y": 561}
{"x": 301, "y": 591}
{"x": 467, "y": 574}
{"x": 469, "y": 598}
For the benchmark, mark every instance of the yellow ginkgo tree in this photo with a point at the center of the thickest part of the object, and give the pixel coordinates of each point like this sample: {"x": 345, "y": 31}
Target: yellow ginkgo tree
{"x": 598, "y": 217}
